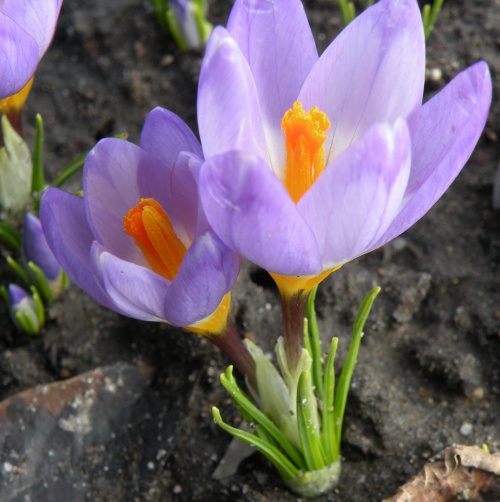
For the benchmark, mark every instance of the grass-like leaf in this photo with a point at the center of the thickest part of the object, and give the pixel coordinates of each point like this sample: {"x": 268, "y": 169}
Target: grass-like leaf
{"x": 286, "y": 469}
{"x": 350, "y": 362}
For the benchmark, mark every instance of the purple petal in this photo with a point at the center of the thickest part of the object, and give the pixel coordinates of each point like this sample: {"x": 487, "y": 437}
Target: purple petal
{"x": 36, "y": 249}
{"x": 70, "y": 238}
{"x": 38, "y": 18}
{"x": 136, "y": 291}
{"x": 184, "y": 189}
{"x": 449, "y": 127}
{"x": 207, "y": 273}
{"x": 355, "y": 199}
{"x": 166, "y": 135}
{"x": 19, "y": 56}
{"x": 16, "y": 295}
{"x": 372, "y": 72}
{"x": 277, "y": 42}
{"x": 116, "y": 175}
{"x": 251, "y": 211}
{"x": 228, "y": 107}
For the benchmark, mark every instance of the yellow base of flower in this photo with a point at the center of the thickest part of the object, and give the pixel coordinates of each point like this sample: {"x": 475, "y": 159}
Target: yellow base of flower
{"x": 290, "y": 285}
{"x": 215, "y": 323}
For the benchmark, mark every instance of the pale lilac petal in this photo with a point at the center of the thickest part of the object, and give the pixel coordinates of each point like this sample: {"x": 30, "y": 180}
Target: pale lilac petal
{"x": 19, "y": 56}
{"x": 355, "y": 199}
{"x": 449, "y": 127}
{"x": 36, "y": 17}
{"x": 228, "y": 106}
{"x": 166, "y": 135}
{"x": 136, "y": 291}
{"x": 116, "y": 176}
{"x": 372, "y": 72}
{"x": 184, "y": 183}
{"x": 277, "y": 42}
{"x": 70, "y": 239}
{"x": 208, "y": 271}
{"x": 251, "y": 211}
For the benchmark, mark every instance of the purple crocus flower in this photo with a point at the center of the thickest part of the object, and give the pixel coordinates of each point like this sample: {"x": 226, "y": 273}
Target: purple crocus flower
{"x": 386, "y": 157}
{"x": 26, "y": 30}
{"x": 313, "y": 161}
{"x": 138, "y": 241}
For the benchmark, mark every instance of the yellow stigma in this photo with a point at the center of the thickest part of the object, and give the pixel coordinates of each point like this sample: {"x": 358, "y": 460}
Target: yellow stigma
{"x": 305, "y": 156}
{"x": 154, "y": 235}
{"x": 15, "y": 102}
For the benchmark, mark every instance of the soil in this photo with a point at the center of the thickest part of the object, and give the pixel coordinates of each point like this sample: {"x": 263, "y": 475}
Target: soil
{"x": 137, "y": 425}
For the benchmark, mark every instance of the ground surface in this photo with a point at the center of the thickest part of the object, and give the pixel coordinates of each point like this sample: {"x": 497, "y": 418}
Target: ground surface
{"x": 428, "y": 373}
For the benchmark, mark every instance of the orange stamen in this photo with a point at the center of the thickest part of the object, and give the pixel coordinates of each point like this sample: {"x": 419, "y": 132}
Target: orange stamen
{"x": 154, "y": 235}
{"x": 305, "y": 156}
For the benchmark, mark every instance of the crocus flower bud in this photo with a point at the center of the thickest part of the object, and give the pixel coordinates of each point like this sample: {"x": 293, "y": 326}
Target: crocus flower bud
{"x": 187, "y": 23}
{"x": 44, "y": 268}
{"x": 25, "y": 310}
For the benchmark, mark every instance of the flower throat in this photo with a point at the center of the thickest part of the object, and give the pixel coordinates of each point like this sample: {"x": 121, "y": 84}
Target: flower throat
{"x": 305, "y": 155}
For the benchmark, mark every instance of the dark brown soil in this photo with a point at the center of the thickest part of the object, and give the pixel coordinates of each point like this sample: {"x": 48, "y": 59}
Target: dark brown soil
{"x": 428, "y": 374}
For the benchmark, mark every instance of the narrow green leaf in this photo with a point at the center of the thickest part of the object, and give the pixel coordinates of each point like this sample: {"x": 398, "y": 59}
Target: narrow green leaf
{"x": 41, "y": 282}
{"x": 18, "y": 270}
{"x": 10, "y": 237}
{"x": 330, "y": 443}
{"x": 258, "y": 417}
{"x": 38, "y": 176}
{"x": 4, "y": 294}
{"x": 309, "y": 433}
{"x": 175, "y": 31}
{"x": 429, "y": 16}
{"x": 71, "y": 169}
{"x": 286, "y": 469}
{"x": 317, "y": 369}
{"x": 351, "y": 11}
{"x": 40, "y": 309}
{"x": 26, "y": 323}
{"x": 204, "y": 27}
{"x": 350, "y": 362}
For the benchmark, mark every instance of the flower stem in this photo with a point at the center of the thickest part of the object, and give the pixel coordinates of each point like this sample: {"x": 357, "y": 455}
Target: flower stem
{"x": 231, "y": 344}
{"x": 293, "y": 307}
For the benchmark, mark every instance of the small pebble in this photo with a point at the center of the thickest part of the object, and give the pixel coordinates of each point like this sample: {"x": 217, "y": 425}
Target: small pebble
{"x": 177, "y": 489}
{"x": 466, "y": 429}
{"x": 434, "y": 74}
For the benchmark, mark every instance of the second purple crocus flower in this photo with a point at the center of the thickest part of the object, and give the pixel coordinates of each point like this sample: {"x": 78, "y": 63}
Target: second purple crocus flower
{"x": 138, "y": 242}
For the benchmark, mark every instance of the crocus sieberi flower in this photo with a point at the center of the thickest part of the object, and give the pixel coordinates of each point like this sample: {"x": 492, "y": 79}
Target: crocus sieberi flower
{"x": 42, "y": 264}
{"x": 138, "y": 241}
{"x": 26, "y": 311}
{"x": 26, "y": 30}
{"x": 313, "y": 161}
